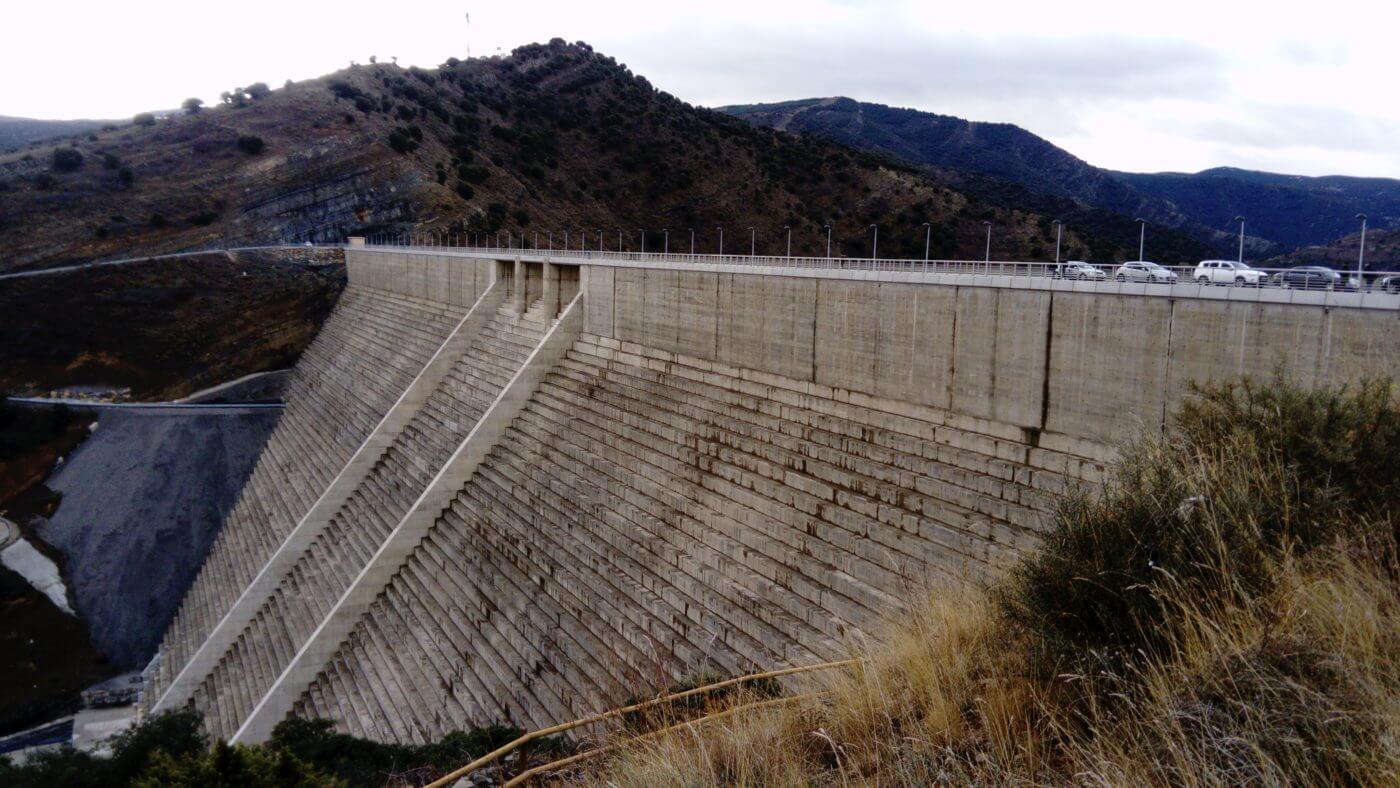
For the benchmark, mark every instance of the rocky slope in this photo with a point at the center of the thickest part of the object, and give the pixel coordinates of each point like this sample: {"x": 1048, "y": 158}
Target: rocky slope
{"x": 1284, "y": 210}
{"x": 554, "y": 137}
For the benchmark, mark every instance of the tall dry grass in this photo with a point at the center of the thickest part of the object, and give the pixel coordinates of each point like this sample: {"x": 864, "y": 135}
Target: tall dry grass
{"x": 1224, "y": 612}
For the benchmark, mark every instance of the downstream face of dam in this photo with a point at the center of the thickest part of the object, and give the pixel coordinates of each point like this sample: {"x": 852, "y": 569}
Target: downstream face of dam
{"x": 510, "y": 488}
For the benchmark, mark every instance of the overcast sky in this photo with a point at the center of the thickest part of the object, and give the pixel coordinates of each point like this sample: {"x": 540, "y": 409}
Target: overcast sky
{"x": 1176, "y": 85}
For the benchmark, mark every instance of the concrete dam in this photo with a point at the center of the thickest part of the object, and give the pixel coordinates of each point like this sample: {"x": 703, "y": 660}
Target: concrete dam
{"x": 525, "y": 486}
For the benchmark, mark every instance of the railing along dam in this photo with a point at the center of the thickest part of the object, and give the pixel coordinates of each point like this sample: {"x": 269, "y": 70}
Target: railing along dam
{"x": 519, "y": 487}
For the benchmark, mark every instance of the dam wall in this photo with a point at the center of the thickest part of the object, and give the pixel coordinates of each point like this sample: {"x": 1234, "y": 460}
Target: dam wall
{"x": 727, "y": 469}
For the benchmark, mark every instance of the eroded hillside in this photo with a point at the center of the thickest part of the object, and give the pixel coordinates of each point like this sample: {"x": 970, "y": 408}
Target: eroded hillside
{"x": 554, "y": 137}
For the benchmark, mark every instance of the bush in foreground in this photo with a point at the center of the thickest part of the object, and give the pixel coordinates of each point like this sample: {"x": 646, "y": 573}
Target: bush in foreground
{"x": 1225, "y": 611}
{"x": 169, "y": 749}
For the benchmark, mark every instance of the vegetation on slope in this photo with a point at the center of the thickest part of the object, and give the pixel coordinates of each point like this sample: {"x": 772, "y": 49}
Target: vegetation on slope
{"x": 169, "y": 750}
{"x": 993, "y": 159}
{"x": 553, "y": 138}
{"x": 1225, "y": 611}
{"x": 162, "y": 328}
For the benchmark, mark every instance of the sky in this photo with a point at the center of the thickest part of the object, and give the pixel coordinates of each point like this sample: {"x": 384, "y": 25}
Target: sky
{"x": 1305, "y": 88}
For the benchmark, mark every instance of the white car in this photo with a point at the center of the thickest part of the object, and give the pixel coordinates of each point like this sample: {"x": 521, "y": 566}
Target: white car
{"x": 1144, "y": 271}
{"x": 1227, "y": 272}
{"x": 1078, "y": 269}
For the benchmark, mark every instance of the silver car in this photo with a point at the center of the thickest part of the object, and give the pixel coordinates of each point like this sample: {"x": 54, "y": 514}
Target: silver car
{"x": 1144, "y": 271}
{"x": 1084, "y": 272}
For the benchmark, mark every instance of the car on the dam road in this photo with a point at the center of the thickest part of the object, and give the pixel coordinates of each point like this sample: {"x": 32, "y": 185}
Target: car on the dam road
{"x": 1308, "y": 277}
{"x": 1228, "y": 272}
{"x": 1080, "y": 270}
{"x": 1144, "y": 271}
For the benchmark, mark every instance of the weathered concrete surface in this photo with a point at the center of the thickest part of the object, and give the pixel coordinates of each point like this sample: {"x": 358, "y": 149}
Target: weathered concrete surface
{"x": 143, "y": 498}
{"x": 731, "y": 470}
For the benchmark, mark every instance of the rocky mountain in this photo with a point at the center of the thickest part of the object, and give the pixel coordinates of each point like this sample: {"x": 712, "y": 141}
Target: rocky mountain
{"x": 1283, "y": 211}
{"x": 552, "y": 138}
{"x": 15, "y": 133}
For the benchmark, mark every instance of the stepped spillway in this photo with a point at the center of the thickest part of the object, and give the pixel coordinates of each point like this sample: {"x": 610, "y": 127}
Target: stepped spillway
{"x": 366, "y": 353}
{"x": 589, "y": 480}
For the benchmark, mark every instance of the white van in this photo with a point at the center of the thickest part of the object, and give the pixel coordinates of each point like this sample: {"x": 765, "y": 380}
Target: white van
{"x": 1227, "y": 272}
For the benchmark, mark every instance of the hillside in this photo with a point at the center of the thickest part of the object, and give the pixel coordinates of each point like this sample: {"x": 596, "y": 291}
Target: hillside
{"x": 551, "y": 138}
{"x": 162, "y": 329}
{"x": 15, "y": 133}
{"x": 1283, "y": 210}
{"x": 1382, "y": 253}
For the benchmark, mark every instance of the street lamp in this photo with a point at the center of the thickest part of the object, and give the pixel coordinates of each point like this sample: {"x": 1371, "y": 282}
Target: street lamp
{"x": 692, "y": 240}
{"x": 1142, "y": 236}
{"x": 721, "y": 239}
{"x": 1361, "y": 254}
{"x": 1240, "y": 219}
{"x": 827, "y": 227}
{"x": 928, "y": 236}
{"x": 537, "y": 240}
{"x": 1059, "y": 235}
{"x": 753, "y": 235}
{"x": 619, "y": 239}
{"x": 874, "y": 246}
{"x": 665, "y": 241}
{"x": 551, "y": 240}
{"x": 583, "y": 240}
{"x": 788, "y": 229}
{"x": 988, "y": 257}
{"x": 644, "y": 239}
{"x": 600, "y": 239}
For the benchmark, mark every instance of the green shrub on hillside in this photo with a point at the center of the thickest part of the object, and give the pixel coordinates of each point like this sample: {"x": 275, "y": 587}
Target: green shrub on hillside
{"x": 1248, "y": 476}
{"x": 250, "y": 144}
{"x": 66, "y": 160}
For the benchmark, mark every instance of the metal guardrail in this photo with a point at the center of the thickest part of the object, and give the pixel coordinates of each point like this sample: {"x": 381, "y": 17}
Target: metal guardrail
{"x": 1269, "y": 288}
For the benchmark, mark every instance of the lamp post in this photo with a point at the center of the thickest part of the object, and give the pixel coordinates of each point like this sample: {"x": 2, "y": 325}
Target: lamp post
{"x": 1142, "y": 236}
{"x": 928, "y": 237}
{"x": 721, "y": 240}
{"x": 827, "y": 227}
{"x": 788, "y": 230}
{"x": 988, "y": 257}
{"x": 551, "y": 240}
{"x": 537, "y": 240}
{"x": 753, "y": 242}
{"x": 1240, "y": 219}
{"x": 600, "y": 239}
{"x": 665, "y": 241}
{"x": 692, "y": 240}
{"x": 619, "y": 239}
{"x": 874, "y": 246}
{"x": 566, "y": 240}
{"x": 1361, "y": 253}
{"x": 1059, "y": 235}
{"x": 583, "y": 240}
{"x": 644, "y": 239}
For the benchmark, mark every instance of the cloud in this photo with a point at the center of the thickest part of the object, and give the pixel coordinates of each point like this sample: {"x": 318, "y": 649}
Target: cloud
{"x": 1273, "y": 127}
{"x": 920, "y": 69}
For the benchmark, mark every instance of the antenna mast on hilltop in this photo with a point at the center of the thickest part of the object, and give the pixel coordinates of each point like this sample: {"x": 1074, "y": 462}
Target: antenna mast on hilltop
{"x": 469, "y": 35}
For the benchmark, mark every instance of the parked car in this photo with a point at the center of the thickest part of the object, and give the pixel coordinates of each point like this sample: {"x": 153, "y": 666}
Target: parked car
{"x": 1078, "y": 269}
{"x": 1227, "y": 272}
{"x": 1144, "y": 271}
{"x": 1308, "y": 277}
{"x": 1381, "y": 282}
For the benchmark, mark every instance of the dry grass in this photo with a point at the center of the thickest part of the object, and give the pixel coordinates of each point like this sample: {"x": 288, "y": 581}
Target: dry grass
{"x": 1257, "y": 642}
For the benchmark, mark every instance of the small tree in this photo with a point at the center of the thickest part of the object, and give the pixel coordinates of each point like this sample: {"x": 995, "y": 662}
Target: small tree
{"x": 250, "y": 144}
{"x": 66, "y": 160}
{"x": 192, "y": 105}
{"x": 258, "y": 91}
{"x": 126, "y": 176}
{"x": 144, "y": 119}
